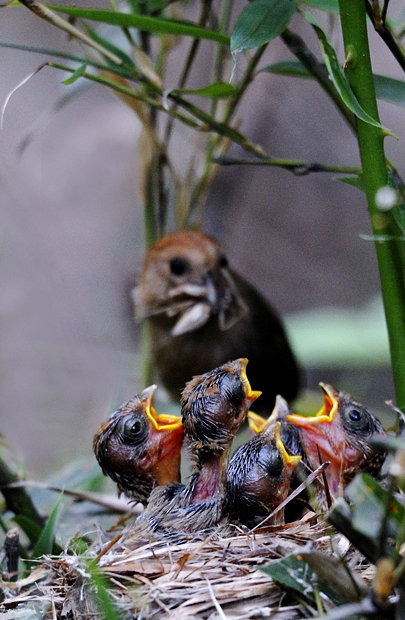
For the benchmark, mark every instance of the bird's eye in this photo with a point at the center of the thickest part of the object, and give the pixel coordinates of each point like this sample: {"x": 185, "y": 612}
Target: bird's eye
{"x": 357, "y": 420}
{"x": 133, "y": 429}
{"x": 223, "y": 261}
{"x": 179, "y": 266}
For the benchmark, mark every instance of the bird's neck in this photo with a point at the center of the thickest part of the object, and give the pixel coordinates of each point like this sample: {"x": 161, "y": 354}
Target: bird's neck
{"x": 210, "y": 478}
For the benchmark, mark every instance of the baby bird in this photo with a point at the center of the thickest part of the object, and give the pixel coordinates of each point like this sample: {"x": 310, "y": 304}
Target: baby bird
{"x": 201, "y": 314}
{"x": 138, "y": 448}
{"x": 214, "y": 405}
{"x": 258, "y": 479}
{"x": 340, "y": 433}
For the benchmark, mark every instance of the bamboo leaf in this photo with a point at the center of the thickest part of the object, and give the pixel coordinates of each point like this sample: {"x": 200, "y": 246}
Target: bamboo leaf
{"x": 218, "y": 90}
{"x": 143, "y": 22}
{"x": 76, "y": 75}
{"x": 338, "y": 77}
{"x": 260, "y": 22}
{"x": 388, "y": 89}
{"x": 296, "y": 574}
{"x": 331, "y": 6}
{"x": 45, "y": 542}
{"x": 31, "y": 529}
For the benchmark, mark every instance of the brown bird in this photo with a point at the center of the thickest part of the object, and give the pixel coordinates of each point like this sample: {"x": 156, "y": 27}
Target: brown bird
{"x": 214, "y": 405}
{"x": 201, "y": 314}
{"x": 138, "y": 448}
{"x": 258, "y": 479}
{"x": 341, "y": 433}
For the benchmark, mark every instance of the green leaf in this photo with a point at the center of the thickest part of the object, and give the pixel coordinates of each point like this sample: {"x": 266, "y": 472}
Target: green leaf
{"x": 355, "y": 181}
{"x": 390, "y": 89}
{"x": 143, "y": 22}
{"x": 338, "y": 77}
{"x": 399, "y": 216}
{"x": 218, "y": 90}
{"x": 331, "y": 6}
{"x": 44, "y": 544}
{"x": 291, "y": 68}
{"x": 369, "y": 504}
{"x": 31, "y": 529}
{"x": 76, "y": 75}
{"x": 296, "y": 574}
{"x": 260, "y": 22}
{"x": 106, "y": 605}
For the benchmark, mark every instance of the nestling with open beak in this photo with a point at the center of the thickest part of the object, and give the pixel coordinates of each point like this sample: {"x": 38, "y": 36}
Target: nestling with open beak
{"x": 201, "y": 314}
{"x": 214, "y": 405}
{"x": 341, "y": 432}
{"x": 138, "y": 448}
{"x": 258, "y": 479}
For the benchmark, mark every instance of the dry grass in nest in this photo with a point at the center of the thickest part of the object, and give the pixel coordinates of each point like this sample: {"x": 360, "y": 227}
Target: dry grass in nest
{"x": 215, "y": 577}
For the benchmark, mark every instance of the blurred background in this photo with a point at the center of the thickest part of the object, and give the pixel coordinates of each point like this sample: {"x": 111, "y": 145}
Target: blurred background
{"x": 71, "y": 242}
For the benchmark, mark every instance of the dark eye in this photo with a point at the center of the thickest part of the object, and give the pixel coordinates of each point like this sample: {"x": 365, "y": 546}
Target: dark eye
{"x": 179, "y": 266}
{"x": 354, "y": 415}
{"x": 223, "y": 261}
{"x": 356, "y": 420}
{"x": 132, "y": 429}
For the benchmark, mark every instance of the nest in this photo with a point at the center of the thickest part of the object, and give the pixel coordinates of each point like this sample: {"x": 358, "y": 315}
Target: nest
{"x": 214, "y": 577}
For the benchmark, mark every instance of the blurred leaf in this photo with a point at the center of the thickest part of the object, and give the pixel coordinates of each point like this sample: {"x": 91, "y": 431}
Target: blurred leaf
{"x": 386, "y": 88}
{"x": 106, "y": 605}
{"x": 389, "y": 89}
{"x": 217, "y": 91}
{"x": 355, "y": 181}
{"x": 369, "y": 503}
{"x": 296, "y": 574}
{"x": 332, "y": 6}
{"x": 143, "y": 22}
{"x": 31, "y": 529}
{"x": 260, "y": 22}
{"x": 338, "y": 77}
{"x": 331, "y": 570}
{"x": 76, "y": 75}
{"x": 45, "y": 542}
{"x": 399, "y": 215}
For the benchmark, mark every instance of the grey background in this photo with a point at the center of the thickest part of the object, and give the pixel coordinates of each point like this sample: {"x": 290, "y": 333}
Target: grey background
{"x": 71, "y": 237}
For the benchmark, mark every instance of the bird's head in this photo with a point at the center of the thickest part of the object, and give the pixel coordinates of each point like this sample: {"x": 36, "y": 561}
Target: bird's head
{"x": 340, "y": 433}
{"x": 139, "y": 448}
{"x": 185, "y": 277}
{"x": 215, "y": 404}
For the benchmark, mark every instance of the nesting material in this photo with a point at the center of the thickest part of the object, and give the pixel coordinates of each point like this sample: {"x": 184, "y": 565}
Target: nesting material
{"x": 215, "y": 577}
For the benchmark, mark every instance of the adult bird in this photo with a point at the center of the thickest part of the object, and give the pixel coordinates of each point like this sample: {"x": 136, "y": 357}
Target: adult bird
{"x": 258, "y": 479}
{"x": 138, "y": 448}
{"x": 201, "y": 313}
{"x": 214, "y": 405}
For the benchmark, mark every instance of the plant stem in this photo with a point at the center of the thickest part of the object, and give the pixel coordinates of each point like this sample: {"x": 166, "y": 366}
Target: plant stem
{"x": 370, "y": 139}
{"x": 298, "y": 167}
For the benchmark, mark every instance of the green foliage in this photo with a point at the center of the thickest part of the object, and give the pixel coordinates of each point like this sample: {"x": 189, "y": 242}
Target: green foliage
{"x": 261, "y": 21}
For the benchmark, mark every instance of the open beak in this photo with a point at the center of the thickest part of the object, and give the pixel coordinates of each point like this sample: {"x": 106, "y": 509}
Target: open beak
{"x": 290, "y": 461}
{"x": 160, "y": 421}
{"x": 251, "y": 395}
{"x": 326, "y": 413}
{"x": 257, "y": 423}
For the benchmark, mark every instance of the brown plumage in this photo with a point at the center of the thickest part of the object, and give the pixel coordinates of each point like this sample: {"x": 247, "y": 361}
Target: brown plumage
{"x": 138, "y": 448}
{"x": 201, "y": 314}
{"x": 214, "y": 405}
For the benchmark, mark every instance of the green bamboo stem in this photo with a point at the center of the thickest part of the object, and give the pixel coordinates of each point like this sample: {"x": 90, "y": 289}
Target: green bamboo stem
{"x": 385, "y": 230}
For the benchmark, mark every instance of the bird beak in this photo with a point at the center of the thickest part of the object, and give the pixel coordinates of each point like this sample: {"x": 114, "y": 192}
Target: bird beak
{"x": 326, "y": 413}
{"x": 251, "y": 395}
{"x": 160, "y": 421}
{"x": 257, "y": 423}
{"x": 288, "y": 459}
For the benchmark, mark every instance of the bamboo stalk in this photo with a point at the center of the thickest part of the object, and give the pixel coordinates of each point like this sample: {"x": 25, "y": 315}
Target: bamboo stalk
{"x": 375, "y": 176}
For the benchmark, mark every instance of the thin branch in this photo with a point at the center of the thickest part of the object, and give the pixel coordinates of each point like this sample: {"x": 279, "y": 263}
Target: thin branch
{"x": 299, "y": 168}
{"x": 384, "y": 31}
